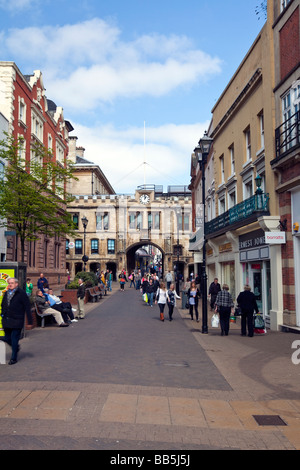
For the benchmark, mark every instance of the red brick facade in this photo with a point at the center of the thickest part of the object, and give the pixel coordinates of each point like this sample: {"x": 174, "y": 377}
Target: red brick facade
{"x": 36, "y": 119}
{"x": 290, "y": 45}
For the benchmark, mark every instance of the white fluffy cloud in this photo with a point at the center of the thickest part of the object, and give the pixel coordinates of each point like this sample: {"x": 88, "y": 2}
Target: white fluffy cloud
{"x": 88, "y": 63}
{"x": 121, "y": 153}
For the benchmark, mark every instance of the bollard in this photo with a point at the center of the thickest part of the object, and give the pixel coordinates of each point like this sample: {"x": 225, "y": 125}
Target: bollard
{"x": 2, "y": 352}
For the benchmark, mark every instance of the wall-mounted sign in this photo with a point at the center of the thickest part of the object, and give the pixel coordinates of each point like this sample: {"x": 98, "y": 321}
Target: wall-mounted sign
{"x": 275, "y": 238}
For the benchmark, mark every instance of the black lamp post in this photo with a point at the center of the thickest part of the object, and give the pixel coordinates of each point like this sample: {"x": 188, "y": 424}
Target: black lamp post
{"x": 85, "y": 258}
{"x": 202, "y": 152}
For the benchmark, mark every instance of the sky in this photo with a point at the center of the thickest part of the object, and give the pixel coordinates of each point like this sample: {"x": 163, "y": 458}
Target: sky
{"x": 137, "y": 79}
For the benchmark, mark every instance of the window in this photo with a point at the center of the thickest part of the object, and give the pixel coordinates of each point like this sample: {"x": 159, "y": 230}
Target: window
{"x": 67, "y": 247}
{"x": 231, "y": 199}
{"x": 22, "y": 111}
{"x": 154, "y": 220}
{"x": 222, "y": 205}
{"x": 262, "y": 130}
{"x": 284, "y": 4}
{"x": 248, "y": 144}
{"x": 102, "y": 221}
{"x": 110, "y": 246}
{"x": 94, "y": 245}
{"x": 184, "y": 222}
{"x": 135, "y": 220}
{"x": 37, "y": 127}
{"x": 248, "y": 189}
{"x": 232, "y": 160}
{"x": 78, "y": 247}
{"x": 60, "y": 154}
{"x": 222, "y": 169}
{"x": 76, "y": 220}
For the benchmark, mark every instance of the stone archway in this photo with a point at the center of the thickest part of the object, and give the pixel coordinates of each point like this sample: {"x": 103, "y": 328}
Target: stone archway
{"x": 132, "y": 262}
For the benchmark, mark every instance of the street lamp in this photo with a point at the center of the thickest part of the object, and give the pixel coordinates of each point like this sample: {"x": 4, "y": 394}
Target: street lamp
{"x": 85, "y": 258}
{"x": 202, "y": 152}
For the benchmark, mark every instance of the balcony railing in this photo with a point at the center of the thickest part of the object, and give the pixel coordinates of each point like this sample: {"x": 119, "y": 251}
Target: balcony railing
{"x": 240, "y": 214}
{"x": 287, "y": 136}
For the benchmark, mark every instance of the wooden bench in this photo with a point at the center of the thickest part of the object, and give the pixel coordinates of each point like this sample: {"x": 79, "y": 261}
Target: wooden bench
{"x": 98, "y": 291}
{"x": 103, "y": 289}
{"x": 41, "y": 315}
{"x": 93, "y": 295}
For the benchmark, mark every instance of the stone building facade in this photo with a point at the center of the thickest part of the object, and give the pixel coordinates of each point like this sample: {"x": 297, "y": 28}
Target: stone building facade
{"x": 120, "y": 225}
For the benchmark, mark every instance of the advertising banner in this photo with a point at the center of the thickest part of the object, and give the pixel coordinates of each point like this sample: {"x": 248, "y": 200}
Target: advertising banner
{"x": 4, "y": 275}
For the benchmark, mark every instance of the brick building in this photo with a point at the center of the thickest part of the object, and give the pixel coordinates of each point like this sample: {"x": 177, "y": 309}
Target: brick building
{"x": 286, "y": 164}
{"x": 30, "y": 114}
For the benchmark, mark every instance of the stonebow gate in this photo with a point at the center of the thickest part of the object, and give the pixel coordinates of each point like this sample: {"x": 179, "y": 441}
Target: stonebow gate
{"x": 149, "y": 228}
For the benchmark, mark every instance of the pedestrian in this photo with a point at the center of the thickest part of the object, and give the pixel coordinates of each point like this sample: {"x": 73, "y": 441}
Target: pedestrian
{"x": 171, "y": 300}
{"x": 29, "y": 287}
{"x": 42, "y": 283}
{"x": 15, "y": 304}
{"x": 131, "y": 278}
{"x": 224, "y": 305}
{"x": 80, "y": 299}
{"x": 169, "y": 279}
{"x": 150, "y": 292}
{"x": 247, "y": 302}
{"x": 43, "y": 306}
{"x": 123, "y": 279}
{"x": 109, "y": 280}
{"x": 161, "y": 299}
{"x": 213, "y": 291}
{"x": 65, "y": 308}
{"x": 138, "y": 278}
{"x": 193, "y": 295}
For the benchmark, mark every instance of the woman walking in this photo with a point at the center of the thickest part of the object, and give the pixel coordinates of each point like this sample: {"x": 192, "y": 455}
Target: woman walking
{"x": 247, "y": 303}
{"x": 193, "y": 295}
{"x": 161, "y": 299}
{"x": 171, "y": 300}
{"x": 224, "y": 305}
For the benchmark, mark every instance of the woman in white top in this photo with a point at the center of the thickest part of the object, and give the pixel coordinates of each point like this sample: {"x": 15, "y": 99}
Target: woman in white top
{"x": 161, "y": 299}
{"x": 171, "y": 300}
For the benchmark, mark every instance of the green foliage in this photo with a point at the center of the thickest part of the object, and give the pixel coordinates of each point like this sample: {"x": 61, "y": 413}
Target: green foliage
{"x": 90, "y": 280}
{"x": 33, "y": 195}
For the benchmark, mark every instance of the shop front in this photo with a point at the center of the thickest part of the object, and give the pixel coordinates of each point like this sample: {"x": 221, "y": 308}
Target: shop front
{"x": 256, "y": 269}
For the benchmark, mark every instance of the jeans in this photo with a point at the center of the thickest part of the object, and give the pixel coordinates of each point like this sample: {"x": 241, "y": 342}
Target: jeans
{"x": 12, "y": 337}
{"x": 150, "y": 299}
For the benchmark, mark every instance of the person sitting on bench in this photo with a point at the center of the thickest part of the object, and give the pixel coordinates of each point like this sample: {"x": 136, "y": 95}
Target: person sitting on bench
{"x": 65, "y": 308}
{"x": 44, "y": 307}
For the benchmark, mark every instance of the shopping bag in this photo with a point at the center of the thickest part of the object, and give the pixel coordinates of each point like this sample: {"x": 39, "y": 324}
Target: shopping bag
{"x": 259, "y": 322}
{"x": 215, "y": 321}
{"x": 146, "y": 298}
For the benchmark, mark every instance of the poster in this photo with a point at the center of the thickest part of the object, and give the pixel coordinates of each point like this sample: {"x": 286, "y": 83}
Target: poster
{"x": 4, "y": 275}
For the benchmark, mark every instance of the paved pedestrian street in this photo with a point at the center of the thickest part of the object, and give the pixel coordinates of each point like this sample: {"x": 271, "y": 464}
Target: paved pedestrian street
{"x": 123, "y": 380}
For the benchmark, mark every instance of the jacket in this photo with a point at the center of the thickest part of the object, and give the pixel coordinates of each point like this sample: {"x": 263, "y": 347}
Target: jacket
{"x": 13, "y": 314}
{"x": 247, "y": 302}
{"x": 81, "y": 291}
{"x": 197, "y": 296}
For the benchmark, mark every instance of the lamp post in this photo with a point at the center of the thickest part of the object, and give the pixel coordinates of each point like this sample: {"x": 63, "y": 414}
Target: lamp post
{"x": 85, "y": 258}
{"x": 202, "y": 152}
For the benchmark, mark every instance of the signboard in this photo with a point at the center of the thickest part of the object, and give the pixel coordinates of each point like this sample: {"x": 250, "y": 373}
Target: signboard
{"x": 275, "y": 238}
{"x": 4, "y": 275}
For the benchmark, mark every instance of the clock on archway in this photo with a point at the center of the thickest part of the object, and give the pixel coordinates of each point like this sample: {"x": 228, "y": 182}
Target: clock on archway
{"x": 144, "y": 199}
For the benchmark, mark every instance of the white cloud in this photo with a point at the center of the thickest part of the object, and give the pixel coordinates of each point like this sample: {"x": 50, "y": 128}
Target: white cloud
{"x": 15, "y": 5}
{"x": 120, "y": 153}
{"x": 88, "y": 63}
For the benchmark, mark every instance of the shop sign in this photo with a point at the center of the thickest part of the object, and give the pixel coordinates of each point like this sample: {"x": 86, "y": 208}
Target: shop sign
{"x": 275, "y": 238}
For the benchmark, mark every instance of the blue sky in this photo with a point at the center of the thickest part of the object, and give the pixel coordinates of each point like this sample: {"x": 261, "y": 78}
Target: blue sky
{"x": 136, "y": 78}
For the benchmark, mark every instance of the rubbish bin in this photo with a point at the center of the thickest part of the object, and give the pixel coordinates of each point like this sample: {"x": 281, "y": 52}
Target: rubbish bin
{"x": 184, "y": 299}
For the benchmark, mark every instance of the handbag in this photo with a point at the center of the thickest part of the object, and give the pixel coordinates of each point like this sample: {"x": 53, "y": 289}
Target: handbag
{"x": 238, "y": 311}
{"x": 187, "y": 305}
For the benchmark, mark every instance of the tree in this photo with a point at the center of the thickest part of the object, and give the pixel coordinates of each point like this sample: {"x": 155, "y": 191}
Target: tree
{"x": 33, "y": 195}
{"x": 262, "y": 8}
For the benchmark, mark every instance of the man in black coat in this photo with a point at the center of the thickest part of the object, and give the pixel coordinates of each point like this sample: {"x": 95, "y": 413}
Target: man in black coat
{"x": 247, "y": 303}
{"x": 15, "y": 304}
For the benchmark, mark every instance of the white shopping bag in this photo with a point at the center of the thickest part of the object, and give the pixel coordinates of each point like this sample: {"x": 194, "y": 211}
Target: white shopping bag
{"x": 215, "y": 321}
